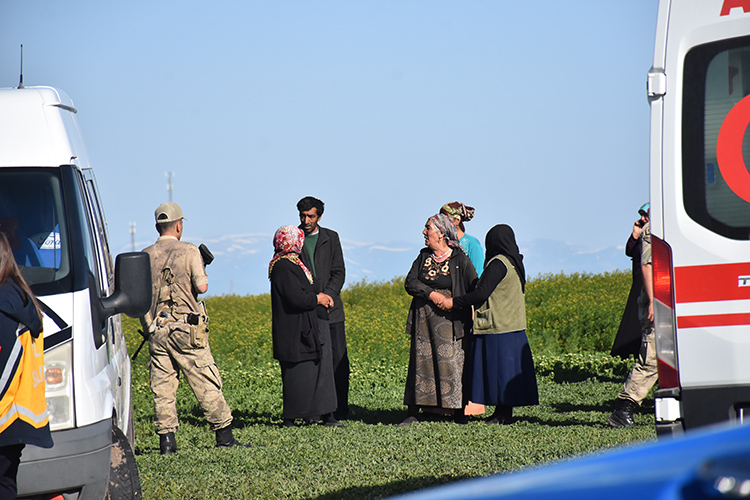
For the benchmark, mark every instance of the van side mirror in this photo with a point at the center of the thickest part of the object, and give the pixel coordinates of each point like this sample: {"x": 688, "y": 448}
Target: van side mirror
{"x": 132, "y": 295}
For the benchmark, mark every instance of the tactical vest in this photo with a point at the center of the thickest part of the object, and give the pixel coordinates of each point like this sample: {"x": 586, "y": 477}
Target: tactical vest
{"x": 174, "y": 305}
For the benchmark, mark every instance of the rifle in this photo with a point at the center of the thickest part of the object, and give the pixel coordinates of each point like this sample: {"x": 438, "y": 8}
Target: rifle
{"x": 145, "y": 339}
{"x": 206, "y": 254}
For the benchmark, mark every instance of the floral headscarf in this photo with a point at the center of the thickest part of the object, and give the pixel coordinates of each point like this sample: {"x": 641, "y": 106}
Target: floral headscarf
{"x": 456, "y": 210}
{"x": 443, "y": 224}
{"x": 287, "y": 244}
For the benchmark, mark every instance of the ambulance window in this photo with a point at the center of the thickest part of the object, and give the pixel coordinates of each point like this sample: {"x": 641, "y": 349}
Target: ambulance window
{"x": 33, "y": 220}
{"x": 99, "y": 237}
{"x": 89, "y": 241}
{"x": 716, "y": 79}
{"x": 105, "y": 257}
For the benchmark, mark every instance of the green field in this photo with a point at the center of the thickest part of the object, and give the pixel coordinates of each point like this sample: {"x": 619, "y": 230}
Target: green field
{"x": 572, "y": 320}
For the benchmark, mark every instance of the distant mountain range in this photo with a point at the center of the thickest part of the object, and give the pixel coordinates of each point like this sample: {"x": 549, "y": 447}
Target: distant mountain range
{"x": 241, "y": 261}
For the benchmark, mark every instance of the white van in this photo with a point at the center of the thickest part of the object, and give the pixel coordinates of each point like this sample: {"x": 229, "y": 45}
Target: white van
{"x": 51, "y": 212}
{"x": 699, "y": 90}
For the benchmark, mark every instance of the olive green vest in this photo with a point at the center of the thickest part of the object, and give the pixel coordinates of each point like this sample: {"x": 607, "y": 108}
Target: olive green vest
{"x": 505, "y": 309}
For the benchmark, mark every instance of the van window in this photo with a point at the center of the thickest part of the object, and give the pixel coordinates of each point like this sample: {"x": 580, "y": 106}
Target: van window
{"x": 100, "y": 235}
{"x": 33, "y": 219}
{"x": 716, "y": 78}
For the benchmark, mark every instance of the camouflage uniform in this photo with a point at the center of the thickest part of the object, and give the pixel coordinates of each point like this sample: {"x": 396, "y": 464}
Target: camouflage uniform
{"x": 175, "y": 344}
{"x": 645, "y": 372}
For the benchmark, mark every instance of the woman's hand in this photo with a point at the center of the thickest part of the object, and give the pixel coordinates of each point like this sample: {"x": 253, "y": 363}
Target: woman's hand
{"x": 437, "y": 298}
{"x": 325, "y": 300}
{"x": 447, "y": 304}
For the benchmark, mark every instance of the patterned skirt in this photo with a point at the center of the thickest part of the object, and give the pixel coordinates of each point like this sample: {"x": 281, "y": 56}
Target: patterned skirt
{"x": 436, "y": 361}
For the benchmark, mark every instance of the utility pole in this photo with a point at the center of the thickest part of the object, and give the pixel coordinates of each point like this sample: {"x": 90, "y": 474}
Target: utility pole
{"x": 132, "y": 236}
{"x": 169, "y": 184}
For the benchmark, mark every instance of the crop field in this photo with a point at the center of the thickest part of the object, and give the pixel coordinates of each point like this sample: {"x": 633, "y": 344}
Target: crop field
{"x": 572, "y": 320}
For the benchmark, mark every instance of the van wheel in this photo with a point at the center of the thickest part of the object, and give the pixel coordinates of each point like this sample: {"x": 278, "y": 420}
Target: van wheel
{"x": 124, "y": 482}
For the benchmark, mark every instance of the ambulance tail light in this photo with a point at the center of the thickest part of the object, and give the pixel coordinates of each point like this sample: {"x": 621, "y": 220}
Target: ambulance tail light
{"x": 664, "y": 322}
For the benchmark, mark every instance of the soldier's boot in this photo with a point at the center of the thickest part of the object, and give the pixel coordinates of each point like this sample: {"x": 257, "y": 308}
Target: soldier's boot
{"x": 167, "y": 443}
{"x": 623, "y": 414}
{"x": 225, "y": 438}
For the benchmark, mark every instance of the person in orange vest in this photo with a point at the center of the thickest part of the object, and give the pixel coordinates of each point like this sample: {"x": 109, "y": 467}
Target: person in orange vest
{"x": 23, "y": 407}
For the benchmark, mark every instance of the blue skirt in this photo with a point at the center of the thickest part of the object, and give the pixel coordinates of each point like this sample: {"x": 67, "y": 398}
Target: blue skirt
{"x": 502, "y": 370}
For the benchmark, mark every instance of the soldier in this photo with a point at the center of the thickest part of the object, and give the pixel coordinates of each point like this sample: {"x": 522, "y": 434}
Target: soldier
{"x": 177, "y": 325}
{"x": 645, "y": 372}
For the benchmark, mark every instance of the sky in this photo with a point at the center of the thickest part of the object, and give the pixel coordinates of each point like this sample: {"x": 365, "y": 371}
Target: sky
{"x": 533, "y": 113}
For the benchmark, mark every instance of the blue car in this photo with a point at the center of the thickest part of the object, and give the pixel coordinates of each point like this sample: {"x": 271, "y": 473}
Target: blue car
{"x": 710, "y": 463}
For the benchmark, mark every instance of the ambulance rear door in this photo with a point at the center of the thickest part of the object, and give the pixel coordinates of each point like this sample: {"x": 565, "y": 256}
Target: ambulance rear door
{"x": 700, "y": 199}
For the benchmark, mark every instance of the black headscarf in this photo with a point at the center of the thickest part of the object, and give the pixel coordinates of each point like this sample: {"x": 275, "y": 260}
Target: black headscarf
{"x": 500, "y": 240}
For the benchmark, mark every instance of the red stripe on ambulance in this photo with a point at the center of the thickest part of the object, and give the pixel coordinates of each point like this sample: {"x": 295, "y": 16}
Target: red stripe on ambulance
{"x": 712, "y": 283}
{"x": 707, "y": 320}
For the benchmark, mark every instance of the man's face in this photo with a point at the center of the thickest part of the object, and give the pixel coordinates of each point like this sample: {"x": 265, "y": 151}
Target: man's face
{"x": 309, "y": 220}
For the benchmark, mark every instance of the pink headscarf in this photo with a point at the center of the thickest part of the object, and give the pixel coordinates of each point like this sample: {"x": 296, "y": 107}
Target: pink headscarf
{"x": 287, "y": 244}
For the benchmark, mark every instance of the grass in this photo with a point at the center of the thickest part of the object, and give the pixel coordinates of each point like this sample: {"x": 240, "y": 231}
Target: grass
{"x": 371, "y": 458}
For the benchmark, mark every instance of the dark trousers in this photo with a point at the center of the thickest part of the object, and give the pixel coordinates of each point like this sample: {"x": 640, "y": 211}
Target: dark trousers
{"x": 340, "y": 368}
{"x": 10, "y": 457}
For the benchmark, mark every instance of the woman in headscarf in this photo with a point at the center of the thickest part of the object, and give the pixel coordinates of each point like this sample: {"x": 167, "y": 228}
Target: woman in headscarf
{"x": 438, "y": 338}
{"x": 503, "y": 368}
{"x": 23, "y": 407}
{"x": 460, "y": 213}
{"x": 301, "y": 346}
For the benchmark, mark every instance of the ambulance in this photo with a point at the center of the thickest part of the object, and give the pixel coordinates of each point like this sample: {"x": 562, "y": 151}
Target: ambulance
{"x": 52, "y": 214}
{"x": 699, "y": 93}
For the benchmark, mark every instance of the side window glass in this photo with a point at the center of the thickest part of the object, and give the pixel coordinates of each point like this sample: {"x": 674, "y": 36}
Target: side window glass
{"x": 95, "y": 255}
{"x": 716, "y": 149}
{"x": 89, "y": 238}
{"x": 105, "y": 257}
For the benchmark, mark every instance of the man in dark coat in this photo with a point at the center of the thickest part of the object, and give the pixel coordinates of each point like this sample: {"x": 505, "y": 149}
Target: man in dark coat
{"x": 628, "y": 338}
{"x": 323, "y": 257}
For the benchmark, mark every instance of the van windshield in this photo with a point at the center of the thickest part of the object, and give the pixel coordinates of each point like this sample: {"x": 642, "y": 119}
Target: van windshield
{"x": 33, "y": 219}
{"x": 716, "y": 147}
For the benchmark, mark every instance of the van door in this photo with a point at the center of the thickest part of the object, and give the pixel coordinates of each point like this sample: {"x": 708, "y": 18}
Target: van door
{"x": 116, "y": 347}
{"x": 700, "y": 193}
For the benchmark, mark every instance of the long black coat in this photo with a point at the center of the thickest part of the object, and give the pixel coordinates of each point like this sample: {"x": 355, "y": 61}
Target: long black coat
{"x": 628, "y": 338}
{"x": 295, "y": 324}
{"x": 330, "y": 272}
{"x": 463, "y": 281}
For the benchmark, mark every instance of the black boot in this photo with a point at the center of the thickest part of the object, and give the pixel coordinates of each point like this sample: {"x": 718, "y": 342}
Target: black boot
{"x": 503, "y": 415}
{"x": 623, "y": 414}
{"x": 460, "y": 418}
{"x": 225, "y": 438}
{"x": 167, "y": 443}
